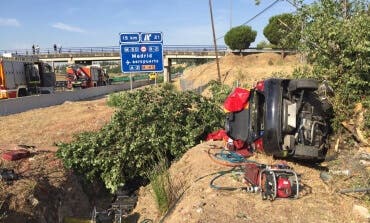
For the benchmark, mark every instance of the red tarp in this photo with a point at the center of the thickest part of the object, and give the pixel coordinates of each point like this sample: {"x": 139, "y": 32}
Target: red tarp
{"x": 237, "y": 100}
{"x": 237, "y": 145}
{"x": 217, "y": 135}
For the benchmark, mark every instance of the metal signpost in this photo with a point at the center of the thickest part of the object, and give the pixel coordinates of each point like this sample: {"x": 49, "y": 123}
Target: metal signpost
{"x": 141, "y": 52}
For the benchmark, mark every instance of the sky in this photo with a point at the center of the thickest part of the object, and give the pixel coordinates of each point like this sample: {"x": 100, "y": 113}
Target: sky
{"x": 97, "y": 23}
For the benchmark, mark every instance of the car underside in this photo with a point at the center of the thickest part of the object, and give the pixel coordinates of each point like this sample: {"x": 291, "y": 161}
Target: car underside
{"x": 284, "y": 118}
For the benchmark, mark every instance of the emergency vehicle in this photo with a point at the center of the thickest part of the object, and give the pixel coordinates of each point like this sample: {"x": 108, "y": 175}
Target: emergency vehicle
{"x": 24, "y": 75}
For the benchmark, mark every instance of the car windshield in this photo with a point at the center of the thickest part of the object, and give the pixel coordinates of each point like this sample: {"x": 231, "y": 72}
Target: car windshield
{"x": 257, "y": 108}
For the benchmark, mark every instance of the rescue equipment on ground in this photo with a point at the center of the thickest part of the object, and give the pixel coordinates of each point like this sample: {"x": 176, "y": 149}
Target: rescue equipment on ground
{"x": 118, "y": 211}
{"x": 271, "y": 181}
{"x": 8, "y": 175}
{"x": 237, "y": 146}
{"x": 16, "y": 154}
{"x": 275, "y": 181}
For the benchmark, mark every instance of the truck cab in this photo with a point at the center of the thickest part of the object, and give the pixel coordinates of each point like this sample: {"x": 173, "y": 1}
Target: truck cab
{"x": 79, "y": 76}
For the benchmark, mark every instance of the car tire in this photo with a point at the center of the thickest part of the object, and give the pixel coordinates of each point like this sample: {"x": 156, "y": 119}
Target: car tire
{"x": 22, "y": 92}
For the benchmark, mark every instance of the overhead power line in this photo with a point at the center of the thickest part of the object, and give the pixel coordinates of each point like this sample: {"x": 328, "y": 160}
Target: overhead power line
{"x": 293, "y": 4}
{"x": 258, "y": 14}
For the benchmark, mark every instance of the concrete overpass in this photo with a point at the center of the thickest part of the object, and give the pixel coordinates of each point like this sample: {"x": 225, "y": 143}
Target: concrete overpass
{"x": 171, "y": 53}
{"x": 167, "y": 60}
{"x": 112, "y": 53}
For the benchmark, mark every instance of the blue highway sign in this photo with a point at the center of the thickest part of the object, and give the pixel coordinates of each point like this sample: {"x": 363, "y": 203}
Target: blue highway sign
{"x": 151, "y": 37}
{"x": 141, "y": 52}
{"x": 143, "y": 57}
{"x": 129, "y": 38}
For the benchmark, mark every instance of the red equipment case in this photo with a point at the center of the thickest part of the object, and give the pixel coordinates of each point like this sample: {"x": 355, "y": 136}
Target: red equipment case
{"x": 16, "y": 154}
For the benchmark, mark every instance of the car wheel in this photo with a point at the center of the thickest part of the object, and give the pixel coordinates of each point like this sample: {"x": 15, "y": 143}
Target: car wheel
{"x": 22, "y": 93}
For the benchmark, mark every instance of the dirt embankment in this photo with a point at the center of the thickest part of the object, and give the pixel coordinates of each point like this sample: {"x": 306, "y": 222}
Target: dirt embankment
{"x": 318, "y": 201}
{"x": 45, "y": 190}
{"x": 241, "y": 70}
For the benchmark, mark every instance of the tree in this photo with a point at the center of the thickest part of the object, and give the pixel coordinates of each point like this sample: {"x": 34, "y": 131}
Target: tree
{"x": 283, "y": 31}
{"x": 336, "y": 42}
{"x": 240, "y": 37}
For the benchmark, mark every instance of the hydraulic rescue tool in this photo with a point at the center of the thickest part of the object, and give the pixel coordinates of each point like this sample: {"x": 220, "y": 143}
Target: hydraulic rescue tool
{"x": 271, "y": 181}
{"x": 275, "y": 181}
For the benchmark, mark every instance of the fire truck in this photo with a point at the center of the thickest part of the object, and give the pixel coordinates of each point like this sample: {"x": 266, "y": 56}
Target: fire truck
{"x": 79, "y": 76}
{"x": 24, "y": 75}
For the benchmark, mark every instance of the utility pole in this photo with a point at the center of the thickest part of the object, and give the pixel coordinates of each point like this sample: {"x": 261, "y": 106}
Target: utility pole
{"x": 231, "y": 14}
{"x": 214, "y": 41}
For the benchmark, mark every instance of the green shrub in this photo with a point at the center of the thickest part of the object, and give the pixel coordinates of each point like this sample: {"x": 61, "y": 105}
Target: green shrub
{"x": 336, "y": 43}
{"x": 219, "y": 91}
{"x": 147, "y": 122}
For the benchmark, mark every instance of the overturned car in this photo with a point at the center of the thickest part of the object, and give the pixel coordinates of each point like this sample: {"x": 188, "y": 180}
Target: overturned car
{"x": 281, "y": 117}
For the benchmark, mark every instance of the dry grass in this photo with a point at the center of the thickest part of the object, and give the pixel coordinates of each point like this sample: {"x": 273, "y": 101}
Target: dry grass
{"x": 246, "y": 69}
{"x": 166, "y": 190}
{"x": 43, "y": 127}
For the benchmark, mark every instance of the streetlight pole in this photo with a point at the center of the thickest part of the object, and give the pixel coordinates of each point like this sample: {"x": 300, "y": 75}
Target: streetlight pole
{"x": 214, "y": 41}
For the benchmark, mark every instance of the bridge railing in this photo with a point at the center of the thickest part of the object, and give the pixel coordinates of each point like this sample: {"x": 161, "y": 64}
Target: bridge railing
{"x": 103, "y": 51}
{"x": 108, "y": 49}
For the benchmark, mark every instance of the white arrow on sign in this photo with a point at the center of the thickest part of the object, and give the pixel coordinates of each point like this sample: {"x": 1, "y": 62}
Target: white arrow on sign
{"x": 128, "y": 62}
{"x": 147, "y": 37}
